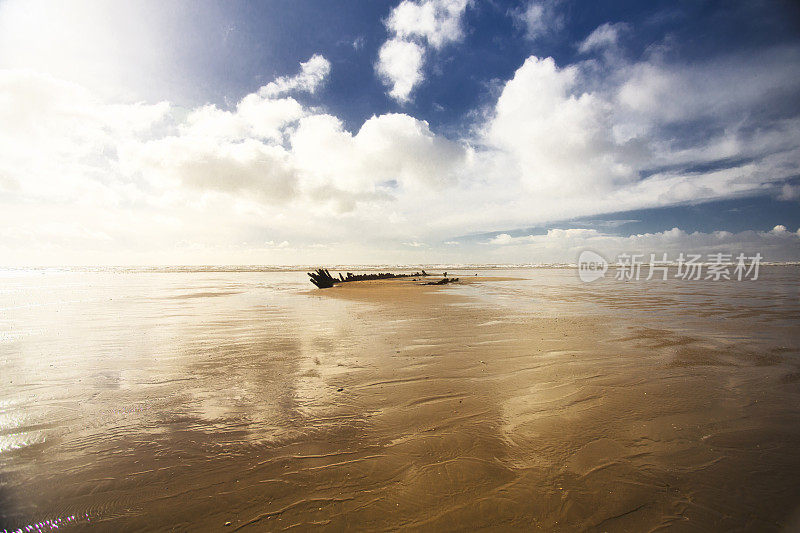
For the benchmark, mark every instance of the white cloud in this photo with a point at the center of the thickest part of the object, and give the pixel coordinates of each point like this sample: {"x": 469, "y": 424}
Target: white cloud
{"x": 272, "y": 151}
{"x": 778, "y": 230}
{"x": 437, "y": 22}
{"x": 738, "y": 84}
{"x": 563, "y": 134}
{"x": 604, "y": 36}
{"x": 790, "y": 192}
{"x": 247, "y": 167}
{"x": 555, "y": 235}
{"x": 255, "y": 116}
{"x": 311, "y": 76}
{"x": 390, "y": 155}
{"x": 415, "y": 25}
{"x": 539, "y": 18}
{"x": 503, "y": 238}
{"x": 564, "y": 245}
{"x": 239, "y": 152}
{"x": 400, "y": 67}
{"x": 558, "y": 138}
{"x": 139, "y": 180}
{"x": 62, "y": 137}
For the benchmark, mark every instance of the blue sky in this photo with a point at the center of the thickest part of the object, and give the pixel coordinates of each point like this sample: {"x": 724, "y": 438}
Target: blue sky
{"x": 381, "y": 131}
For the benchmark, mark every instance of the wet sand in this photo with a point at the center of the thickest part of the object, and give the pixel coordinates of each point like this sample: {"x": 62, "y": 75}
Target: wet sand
{"x": 381, "y": 405}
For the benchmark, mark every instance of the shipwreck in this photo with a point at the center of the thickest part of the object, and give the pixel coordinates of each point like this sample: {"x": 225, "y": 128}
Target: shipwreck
{"x": 323, "y": 279}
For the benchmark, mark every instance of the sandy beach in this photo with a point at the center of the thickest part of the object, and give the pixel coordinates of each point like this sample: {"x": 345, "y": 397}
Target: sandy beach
{"x": 516, "y": 399}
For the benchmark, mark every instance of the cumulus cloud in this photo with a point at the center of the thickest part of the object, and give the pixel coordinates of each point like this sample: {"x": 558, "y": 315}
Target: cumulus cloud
{"x": 789, "y": 192}
{"x": 311, "y": 76}
{"x": 389, "y": 148}
{"x": 416, "y": 25}
{"x": 581, "y": 140}
{"x": 778, "y": 230}
{"x": 232, "y": 152}
{"x": 555, "y": 234}
{"x": 604, "y": 36}
{"x": 254, "y": 116}
{"x": 503, "y": 238}
{"x": 400, "y": 67}
{"x": 437, "y": 22}
{"x": 539, "y": 18}
{"x": 560, "y": 141}
{"x": 248, "y": 167}
{"x": 564, "y": 245}
{"x": 559, "y": 138}
{"x": 274, "y": 151}
{"x": 62, "y": 135}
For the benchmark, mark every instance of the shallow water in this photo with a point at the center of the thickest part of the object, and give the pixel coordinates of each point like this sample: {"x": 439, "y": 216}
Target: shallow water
{"x": 143, "y": 400}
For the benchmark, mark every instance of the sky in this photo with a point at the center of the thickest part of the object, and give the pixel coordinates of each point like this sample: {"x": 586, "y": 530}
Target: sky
{"x": 385, "y": 132}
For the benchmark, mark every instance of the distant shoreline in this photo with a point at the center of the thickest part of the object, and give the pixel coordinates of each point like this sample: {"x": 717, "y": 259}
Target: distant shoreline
{"x": 305, "y": 268}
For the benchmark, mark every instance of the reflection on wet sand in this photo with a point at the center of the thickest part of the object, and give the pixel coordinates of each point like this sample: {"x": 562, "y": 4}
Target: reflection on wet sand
{"x": 188, "y": 401}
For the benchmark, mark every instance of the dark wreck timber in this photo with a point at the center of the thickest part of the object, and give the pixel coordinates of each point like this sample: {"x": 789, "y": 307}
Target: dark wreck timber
{"x": 443, "y": 281}
{"x": 323, "y": 279}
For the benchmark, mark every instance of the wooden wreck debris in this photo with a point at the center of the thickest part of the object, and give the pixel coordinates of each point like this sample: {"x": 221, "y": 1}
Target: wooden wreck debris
{"x": 443, "y": 281}
{"x": 323, "y": 279}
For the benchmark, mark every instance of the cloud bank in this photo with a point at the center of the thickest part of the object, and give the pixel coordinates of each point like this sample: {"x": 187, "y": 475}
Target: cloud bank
{"x": 85, "y": 179}
{"x": 564, "y": 245}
